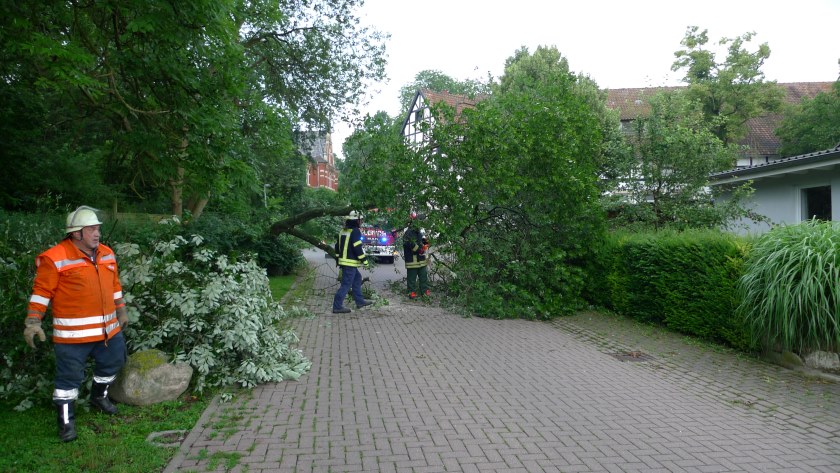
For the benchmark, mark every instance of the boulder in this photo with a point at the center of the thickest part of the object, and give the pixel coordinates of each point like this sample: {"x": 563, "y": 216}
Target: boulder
{"x": 148, "y": 378}
{"x": 822, "y": 360}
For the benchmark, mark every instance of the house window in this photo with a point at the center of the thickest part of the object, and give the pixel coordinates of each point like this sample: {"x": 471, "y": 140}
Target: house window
{"x": 816, "y": 203}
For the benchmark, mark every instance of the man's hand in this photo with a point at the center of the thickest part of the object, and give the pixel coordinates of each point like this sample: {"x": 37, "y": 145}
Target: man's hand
{"x": 122, "y": 317}
{"x": 33, "y": 327}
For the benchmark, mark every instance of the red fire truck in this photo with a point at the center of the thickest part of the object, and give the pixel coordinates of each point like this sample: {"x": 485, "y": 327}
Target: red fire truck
{"x": 378, "y": 242}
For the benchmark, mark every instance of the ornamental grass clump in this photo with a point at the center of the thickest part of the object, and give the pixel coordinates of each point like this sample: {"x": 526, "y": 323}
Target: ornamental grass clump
{"x": 211, "y": 311}
{"x": 790, "y": 290}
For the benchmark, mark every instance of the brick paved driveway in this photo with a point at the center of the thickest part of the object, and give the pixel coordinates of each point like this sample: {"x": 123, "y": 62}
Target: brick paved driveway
{"x": 412, "y": 388}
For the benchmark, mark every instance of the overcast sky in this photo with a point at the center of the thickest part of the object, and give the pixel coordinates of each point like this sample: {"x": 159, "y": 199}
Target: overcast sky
{"x": 618, "y": 44}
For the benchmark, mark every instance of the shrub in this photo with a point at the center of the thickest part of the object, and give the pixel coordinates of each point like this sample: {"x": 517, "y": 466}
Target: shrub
{"x": 25, "y": 374}
{"x": 233, "y": 333}
{"x": 790, "y": 290}
{"x": 230, "y": 235}
{"x": 683, "y": 280}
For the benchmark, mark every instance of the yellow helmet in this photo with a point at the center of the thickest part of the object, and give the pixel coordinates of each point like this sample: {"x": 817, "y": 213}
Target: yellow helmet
{"x": 83, "y": 216}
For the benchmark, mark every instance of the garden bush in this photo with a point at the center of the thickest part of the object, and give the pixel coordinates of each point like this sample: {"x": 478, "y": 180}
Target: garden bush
{"x": 790, "y": 289}
{"x": 233, "y": 236}
{"x": 25, "y": 374}
{"x": 683, "y": 280}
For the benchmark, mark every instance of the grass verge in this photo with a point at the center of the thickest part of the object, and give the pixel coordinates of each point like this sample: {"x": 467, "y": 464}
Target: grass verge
{"x": 112, "y": 444}
{"x": 280, "y": 285}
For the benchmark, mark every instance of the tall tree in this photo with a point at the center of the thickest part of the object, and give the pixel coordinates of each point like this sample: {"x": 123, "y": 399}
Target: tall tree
{"x": 731, "y": 91}
{"x": 813, "y": 125}
{"x": 525, "y": 70}
{"x": 193, "y": 95}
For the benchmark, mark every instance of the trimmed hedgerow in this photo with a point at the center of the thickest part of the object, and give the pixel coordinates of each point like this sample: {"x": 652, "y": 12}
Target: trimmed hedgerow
{"x": 685, "y": 281}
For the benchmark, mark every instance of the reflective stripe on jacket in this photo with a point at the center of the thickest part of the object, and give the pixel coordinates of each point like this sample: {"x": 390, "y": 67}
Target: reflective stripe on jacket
{"x": 350, "y": 250}
{"x": 412, "y": 244}
{"x": 84, "y": 295}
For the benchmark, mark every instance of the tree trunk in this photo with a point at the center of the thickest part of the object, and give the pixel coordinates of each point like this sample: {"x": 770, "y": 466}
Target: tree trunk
{"x": 197, "y": 206}
{"x": 178, "y": 193}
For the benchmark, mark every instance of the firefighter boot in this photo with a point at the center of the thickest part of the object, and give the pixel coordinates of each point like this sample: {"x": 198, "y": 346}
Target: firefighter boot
{"x": 99, "y": 398}
{"x": 66, "y": 421}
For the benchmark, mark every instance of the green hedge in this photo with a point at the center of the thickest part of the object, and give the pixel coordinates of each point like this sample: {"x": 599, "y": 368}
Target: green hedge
{"x": 685, "y": 281}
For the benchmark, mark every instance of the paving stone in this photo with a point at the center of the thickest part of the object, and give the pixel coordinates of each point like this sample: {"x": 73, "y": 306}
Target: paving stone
{"x": 411, "y": 387}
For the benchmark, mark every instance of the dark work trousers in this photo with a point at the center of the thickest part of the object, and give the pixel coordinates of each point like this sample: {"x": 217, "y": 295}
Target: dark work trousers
{"x": 413, "y": 274}
{"x": 70, "y": 360}
{"x": 351, "y": 278}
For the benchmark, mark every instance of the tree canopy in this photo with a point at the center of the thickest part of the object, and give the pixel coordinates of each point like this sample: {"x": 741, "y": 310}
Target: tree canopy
{"x": 174, "y": 102}
{"x": 731, "y": 91}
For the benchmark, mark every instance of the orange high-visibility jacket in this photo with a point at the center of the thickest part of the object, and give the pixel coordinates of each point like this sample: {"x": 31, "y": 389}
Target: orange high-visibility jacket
{"x": 84, "y": 295}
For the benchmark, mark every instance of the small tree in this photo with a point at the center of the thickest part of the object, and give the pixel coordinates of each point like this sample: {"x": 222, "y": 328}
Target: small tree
{"x": 675, "y": 152}
{"x": 513, "y": 188}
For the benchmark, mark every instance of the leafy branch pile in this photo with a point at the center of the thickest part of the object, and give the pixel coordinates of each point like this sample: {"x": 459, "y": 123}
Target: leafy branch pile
{"x": 210, "y": 311}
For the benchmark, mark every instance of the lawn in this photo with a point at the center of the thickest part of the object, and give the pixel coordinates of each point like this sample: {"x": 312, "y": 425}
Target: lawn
{"x": 105, "y": 443}
{"x": 280, "y": 285}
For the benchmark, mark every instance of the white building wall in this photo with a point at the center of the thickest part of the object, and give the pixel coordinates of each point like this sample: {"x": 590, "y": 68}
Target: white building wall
{"x": 780, "y": 199}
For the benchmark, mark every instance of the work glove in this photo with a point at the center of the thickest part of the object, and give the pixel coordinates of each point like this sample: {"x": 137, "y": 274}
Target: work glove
{"x": 122, "y": 317}
{"x": 33, "y": 327}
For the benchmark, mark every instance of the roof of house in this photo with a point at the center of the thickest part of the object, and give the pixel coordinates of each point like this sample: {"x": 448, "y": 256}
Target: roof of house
{"x": 819, "y": 160}
{"x": 632, "y": 103}
{"x": 760, "y": 137}
{"x": 458, "y": 102}
{"x": 313, "y": 144}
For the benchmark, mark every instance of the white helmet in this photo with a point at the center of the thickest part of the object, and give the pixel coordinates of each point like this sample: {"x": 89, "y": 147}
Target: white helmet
{"x": 83, "y": 216}
{"x": 354, "y": 215}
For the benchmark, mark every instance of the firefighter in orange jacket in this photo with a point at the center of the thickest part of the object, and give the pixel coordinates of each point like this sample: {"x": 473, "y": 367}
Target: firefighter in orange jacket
{"x": 78, "y": 277}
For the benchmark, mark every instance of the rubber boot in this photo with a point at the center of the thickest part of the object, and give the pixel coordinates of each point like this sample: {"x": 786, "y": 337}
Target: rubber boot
{"x": 99, "y": 398}
{"x": 66, "y": 420}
